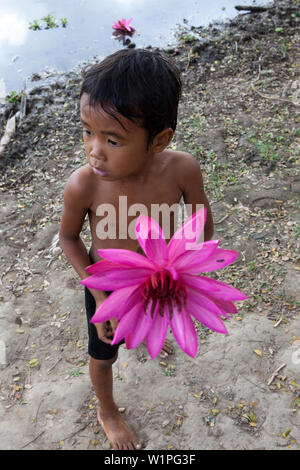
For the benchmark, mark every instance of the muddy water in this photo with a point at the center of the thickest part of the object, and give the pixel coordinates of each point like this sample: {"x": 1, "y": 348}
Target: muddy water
{"x": 89, "y": 30}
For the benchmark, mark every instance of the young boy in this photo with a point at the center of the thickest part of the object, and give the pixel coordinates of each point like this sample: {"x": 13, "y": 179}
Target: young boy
{"x": 128, "y": 108}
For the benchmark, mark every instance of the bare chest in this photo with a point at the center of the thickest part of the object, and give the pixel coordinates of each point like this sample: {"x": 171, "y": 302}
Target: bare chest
{"x": 115, "y": 209}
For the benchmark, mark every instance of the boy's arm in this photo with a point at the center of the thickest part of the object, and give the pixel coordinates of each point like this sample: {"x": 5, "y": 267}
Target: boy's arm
{"x": 76, "y": 205}
{"x": 191, "y": 183}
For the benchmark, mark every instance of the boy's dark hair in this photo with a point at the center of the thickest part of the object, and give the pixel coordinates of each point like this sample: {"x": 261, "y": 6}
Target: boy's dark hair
{"x": 139, "y": 84}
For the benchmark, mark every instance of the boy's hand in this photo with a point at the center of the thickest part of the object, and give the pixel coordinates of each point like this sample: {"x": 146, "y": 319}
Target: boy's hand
{"x": 106, "y": 329}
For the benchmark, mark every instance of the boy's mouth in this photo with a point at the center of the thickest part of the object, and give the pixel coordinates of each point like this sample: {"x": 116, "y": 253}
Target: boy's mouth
{"x": 99, "y": 172}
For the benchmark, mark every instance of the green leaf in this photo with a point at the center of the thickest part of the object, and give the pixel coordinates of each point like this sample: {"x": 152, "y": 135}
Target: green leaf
{"x": 245, "y": 415}
{"x": 33, "y": 362}
{"x": 252, "y": 416}
{"x": 76, "y": 373}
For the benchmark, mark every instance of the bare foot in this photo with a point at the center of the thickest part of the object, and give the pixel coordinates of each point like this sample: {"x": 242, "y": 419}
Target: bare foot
{"x": 166, "y": 350}
{"x": 117, "y": 431}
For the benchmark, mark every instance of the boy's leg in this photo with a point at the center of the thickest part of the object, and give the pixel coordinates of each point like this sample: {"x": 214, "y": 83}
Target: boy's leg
{"x": 118, "y": 433}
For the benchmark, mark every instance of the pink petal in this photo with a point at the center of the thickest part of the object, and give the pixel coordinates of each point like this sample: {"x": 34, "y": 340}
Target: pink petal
{"x": 187, "y": 235}
{"x": 129, "y": 28}
{"x": 152, "y": 240}
{"x": 125, "y": 258}
{"x": 202, "y": 299}
{"x": 218, "y": 260}
{"x": 116, "y": 277}
{"x": 192, "y": 260}
{"x": 157, "y": 334}
{"x": 117, "y": 304}
{"x": 127, "y": 341}
{"x": 207, "y": 318}
{"x": 226, "y": 306}
{"x": 123, "y": 25}
{"x": 184, "y": 332}
{"x": 126, "y": 324}
{"x": 142, "y": 325}
{"x": 215, "y": 289}
{"x": 101, "y": 267}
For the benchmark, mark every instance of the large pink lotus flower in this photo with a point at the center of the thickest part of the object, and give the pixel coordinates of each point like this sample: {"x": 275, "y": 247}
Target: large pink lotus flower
{"x": 123, "y": 25}
{"x": 164, "y": 289}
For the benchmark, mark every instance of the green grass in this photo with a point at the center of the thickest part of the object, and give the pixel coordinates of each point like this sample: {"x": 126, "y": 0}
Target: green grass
{"x": 14, "y": 97}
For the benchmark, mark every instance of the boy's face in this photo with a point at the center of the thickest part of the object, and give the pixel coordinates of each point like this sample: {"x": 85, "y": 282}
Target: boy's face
{"x": 113, "y": 152}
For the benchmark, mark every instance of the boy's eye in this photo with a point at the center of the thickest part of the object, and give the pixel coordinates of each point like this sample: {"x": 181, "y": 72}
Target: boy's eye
{"x": 113, "y": 142}
{"x": 87, "y": 132}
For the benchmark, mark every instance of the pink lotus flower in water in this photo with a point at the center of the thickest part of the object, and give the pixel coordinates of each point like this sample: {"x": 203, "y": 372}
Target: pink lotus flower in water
{"x": 164, "y": 289}
{"x": 123, "y": 25}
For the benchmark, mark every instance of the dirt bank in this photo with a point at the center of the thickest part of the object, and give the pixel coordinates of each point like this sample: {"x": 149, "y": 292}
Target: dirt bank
{"x": 240, "y": 117}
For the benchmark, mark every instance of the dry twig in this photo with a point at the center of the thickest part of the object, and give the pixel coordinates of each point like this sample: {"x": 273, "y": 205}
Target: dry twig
{"x": 275, "y": 373}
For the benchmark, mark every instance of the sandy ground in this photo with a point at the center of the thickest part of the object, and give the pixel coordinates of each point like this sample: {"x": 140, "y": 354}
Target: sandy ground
{"x": 174, "y": 403}
{"x": 242, "y": 390}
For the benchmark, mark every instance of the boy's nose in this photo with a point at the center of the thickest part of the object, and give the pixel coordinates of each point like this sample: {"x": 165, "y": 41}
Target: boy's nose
{"x": 97, "y": 151}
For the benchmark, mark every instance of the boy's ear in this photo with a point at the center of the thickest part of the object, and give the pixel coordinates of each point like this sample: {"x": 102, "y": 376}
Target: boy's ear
{"x": 162, "y": 140}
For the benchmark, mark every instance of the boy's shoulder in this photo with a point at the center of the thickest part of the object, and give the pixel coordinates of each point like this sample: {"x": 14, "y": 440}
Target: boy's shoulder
{"x": 81, "y": 178}
{"x": 180, "y": 163}
{"x": 180, "y": 158}
{"x": 80, "y": 183}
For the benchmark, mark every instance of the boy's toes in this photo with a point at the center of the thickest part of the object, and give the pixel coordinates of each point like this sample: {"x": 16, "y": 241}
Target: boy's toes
{"x": 166, "y": 350}
{"x": 163, "y": 354}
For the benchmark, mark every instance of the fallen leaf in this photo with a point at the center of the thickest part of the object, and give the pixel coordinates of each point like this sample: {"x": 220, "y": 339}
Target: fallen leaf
{"x": 258, "y": 352}
{"x": 253, "y": 418}
{"x": 94, "y": 442}
{"x": 245, "y": 415}
{"x": 33, "y": 362}
{"x": 240, "y": 406}
{"x": 179, "y": 421}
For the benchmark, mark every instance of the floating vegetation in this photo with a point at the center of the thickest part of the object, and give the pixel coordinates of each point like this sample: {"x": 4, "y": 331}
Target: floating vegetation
{"x": 49, "y": 21}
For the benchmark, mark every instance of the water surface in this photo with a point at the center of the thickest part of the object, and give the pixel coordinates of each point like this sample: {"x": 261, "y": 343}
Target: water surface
{"x": 89, "y": 30}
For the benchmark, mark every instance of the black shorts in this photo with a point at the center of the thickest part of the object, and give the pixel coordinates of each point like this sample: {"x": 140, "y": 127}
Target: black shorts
{"x": 97, "y": 348}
